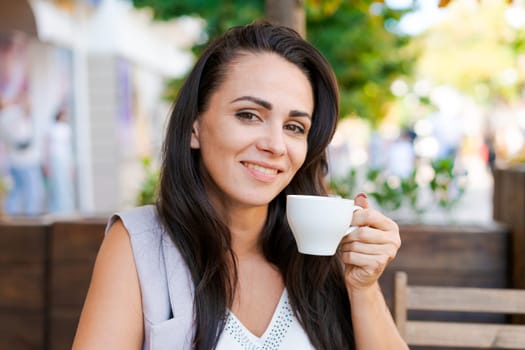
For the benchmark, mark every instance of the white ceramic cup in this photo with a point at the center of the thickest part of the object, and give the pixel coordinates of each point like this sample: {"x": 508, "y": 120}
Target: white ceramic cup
{"x": 319, "y": 223}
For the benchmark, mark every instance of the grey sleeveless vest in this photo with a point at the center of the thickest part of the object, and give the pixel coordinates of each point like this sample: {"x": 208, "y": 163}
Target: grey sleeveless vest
{"x": 165, "y": 281}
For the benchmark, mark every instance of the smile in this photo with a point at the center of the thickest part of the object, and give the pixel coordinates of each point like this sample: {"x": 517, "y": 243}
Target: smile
{"x": 261, "y": 169}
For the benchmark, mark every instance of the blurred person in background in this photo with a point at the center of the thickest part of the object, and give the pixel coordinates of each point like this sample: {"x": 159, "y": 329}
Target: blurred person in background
{"x": 26, "y": 193}
{"x": 401, "y": 156}
{"x": 4, "y": 179}
{"x": 58, "y": 165}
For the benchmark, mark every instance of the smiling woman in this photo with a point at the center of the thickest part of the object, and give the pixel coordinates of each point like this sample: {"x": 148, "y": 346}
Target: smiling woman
{"x": 213, "y": 265}
{"x": 252, "y": 138}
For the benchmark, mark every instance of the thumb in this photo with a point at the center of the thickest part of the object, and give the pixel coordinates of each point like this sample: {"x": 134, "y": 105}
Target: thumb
{"x": 361, "y": 200}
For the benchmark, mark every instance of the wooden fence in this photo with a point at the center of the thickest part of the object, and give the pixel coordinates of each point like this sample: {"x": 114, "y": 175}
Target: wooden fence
{"x": 45, "y": 269}
{"x": 451, "y": 255}
{"x": 509, "y": 208}
{"x": 23, "y": 292}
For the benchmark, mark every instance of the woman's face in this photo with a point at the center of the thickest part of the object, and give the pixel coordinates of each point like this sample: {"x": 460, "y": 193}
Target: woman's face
{"x": 253, "y": 135}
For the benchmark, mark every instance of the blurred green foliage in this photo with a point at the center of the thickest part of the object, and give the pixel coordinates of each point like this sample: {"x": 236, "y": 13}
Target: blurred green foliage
{"x": 366, "y": 57}
{"x": 448, "y": 186}
{"x": 219, "y": 15}
{"x": 391, "y": 193}
{"x": 3, "y": 193}
{"x": 344, "y": 186}
{"x": 149, "y": 186}
{"x": 475, "y": 49}
{"x": 388, "y": 192}
{"x": 3, "y": 186}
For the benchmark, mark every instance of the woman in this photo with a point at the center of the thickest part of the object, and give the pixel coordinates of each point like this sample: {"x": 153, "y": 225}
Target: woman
{"x": 214, "y": 265}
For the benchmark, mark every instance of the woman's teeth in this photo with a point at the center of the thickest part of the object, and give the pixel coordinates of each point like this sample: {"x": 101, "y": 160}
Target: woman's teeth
{"x": 261, "y": 169}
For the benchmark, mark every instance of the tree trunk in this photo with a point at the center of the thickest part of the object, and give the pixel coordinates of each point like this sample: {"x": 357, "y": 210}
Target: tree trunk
{"x": 289, "y": 13}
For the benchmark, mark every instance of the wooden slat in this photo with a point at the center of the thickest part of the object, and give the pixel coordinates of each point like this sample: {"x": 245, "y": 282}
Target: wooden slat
{"x": 22, "y": 287}
{"x": 64, "y": 321}
{"x": 76, "y": 241}
{"x": 466, "y": 299}
{"x": 465, "y": 335}
{"x": 69, "y": 284}
{"x": 400, "y": 302}
{"x": 21, "y": 330}
{"x": 455, "y": 248}
{"x": 449, "y": 333}
{"x": 74, "y": 247}
{"x": 518, "y": 237}
{"x": 451, "y": 255}
{"x": 497, "y": 191}
{"x": 509, "y": 208}
{"x": 22, "y": 243}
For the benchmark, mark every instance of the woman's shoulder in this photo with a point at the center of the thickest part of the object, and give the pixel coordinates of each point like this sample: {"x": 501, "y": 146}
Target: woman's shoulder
{"x": 164, "y": 278}
{"x": 146, "y": 233}
{"x": 138, "y": 221}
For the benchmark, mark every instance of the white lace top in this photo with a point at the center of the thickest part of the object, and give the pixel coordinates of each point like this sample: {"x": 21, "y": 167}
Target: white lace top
{"x": 283, "y": 332}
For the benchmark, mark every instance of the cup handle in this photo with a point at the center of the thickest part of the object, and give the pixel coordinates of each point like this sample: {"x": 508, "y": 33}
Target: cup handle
{"x": 352, "y": 228}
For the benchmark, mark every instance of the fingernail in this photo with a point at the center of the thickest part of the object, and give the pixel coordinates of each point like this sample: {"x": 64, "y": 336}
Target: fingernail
{"x": 362, "y": 194}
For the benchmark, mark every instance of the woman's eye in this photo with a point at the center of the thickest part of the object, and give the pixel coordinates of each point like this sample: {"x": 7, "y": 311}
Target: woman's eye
{"x": 248, "y": 116}
{"x": 295, "y": 128}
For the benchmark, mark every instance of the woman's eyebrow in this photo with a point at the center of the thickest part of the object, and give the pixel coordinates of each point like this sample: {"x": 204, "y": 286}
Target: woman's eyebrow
{"x": 268, "y": 106}
{"x": 257, "y": 100}
{"x": 295, "y": 113}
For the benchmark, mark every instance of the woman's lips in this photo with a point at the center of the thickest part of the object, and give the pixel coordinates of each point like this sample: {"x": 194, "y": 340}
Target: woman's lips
{"x": 260, "y": 172}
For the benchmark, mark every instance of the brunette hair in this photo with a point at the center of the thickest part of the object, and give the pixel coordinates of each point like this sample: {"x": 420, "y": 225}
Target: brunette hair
{"x": 315, "y": 284}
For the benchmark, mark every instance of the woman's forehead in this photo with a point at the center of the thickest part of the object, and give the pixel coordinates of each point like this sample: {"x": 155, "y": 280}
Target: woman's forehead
{"x": 270, "y": 77}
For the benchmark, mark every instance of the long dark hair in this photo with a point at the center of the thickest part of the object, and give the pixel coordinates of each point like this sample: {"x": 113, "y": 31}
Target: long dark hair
{"x": 315, "y": 284}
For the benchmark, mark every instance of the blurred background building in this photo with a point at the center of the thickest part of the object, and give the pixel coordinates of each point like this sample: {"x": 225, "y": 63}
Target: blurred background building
{"x": 105, "y": 65}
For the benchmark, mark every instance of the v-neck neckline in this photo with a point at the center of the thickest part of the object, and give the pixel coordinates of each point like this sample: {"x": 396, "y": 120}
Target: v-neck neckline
{"x": 276, "y": 312}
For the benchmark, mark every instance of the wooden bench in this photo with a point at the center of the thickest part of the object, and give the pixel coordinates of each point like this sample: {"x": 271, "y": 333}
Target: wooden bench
{"x": 458, "y": 334}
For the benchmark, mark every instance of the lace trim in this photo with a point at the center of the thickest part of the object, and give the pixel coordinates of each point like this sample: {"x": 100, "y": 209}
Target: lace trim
{"x": 272, "y": 341}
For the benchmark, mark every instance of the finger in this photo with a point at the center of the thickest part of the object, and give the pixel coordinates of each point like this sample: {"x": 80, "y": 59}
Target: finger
{"x": 361, "y": 200}
{"x": 366, "y": 234}
{"x": 389, "y": 250}
{"x": 373, "y": 218}
{"x": 375, "y": 264}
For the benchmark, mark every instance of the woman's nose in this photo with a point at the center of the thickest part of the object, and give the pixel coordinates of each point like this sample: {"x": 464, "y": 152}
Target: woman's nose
{"x": 273, "y": 140}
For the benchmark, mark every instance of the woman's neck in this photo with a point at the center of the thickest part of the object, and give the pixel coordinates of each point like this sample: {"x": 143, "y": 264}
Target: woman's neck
{"x": 246, "y": 225}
